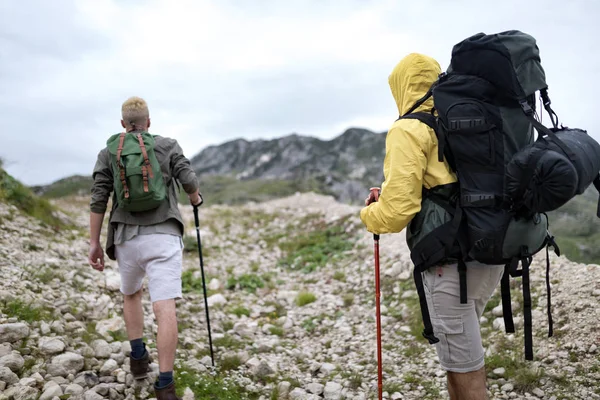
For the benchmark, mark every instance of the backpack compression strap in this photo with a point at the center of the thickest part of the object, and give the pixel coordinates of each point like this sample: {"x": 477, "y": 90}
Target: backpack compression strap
{"x": 146, "y": 169}
{"x": 120, "y": 164}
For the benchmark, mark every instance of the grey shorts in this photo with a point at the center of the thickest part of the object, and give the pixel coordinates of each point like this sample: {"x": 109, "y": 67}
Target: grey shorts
{"x": 159, "y": 256}
{"x": 456, "y": 325}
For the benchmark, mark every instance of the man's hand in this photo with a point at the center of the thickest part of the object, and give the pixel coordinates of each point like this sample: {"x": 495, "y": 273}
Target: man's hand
{"x": 373, "y": 196}
{"x": 96, "y": 257}
{"x": 196, "y": 199}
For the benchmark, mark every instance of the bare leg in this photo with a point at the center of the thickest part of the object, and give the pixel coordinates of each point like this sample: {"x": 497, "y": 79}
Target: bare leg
{"x": 133, "y": 314}
{"x": 467, "y": 386}
{"x": 166, "y": 317}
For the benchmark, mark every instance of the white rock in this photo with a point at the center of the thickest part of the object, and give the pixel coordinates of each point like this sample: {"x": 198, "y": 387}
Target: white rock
{"x": 108, "y": 367}
{"x": 91, "y": 395}
{"x": 499, "y": 371}
{"x": 298, "y": 394}
{"x": 13, "y": 332}
{"x": 262, "y": 370}
{"x": 497, "y": 311}
{"x": 397, "y": 396}
{"x": 113, "y": 279}
{"x": 593, "y": 348}
{"x": 214, "y": 284}
{"x": 332, "y": 391}
{"x": 315, "y": 388}
{"x": 206, "y": 360}
{"x": 74, "y": 389}
{"x": 395, "y": 270}
{"x": 114, "y": 324}
{"x": 327, "y": 368}
{"x": 188, "y": 394}
{"x": 507, "y": 387}
{"x": 28, "y": 382}
{"x": 51, "y": 345}
{"x": 44, "y": 328}
{"x": 498, "y": 324}
{"x": 538, "y": 392}
{"x": 71, "y": 362}
{"x": 51, "y": 392}
{"x": 216, "y": 299}
{"x": 14, "y": 361}
{"x": 5, "y": 348}
{"x": 101, "y": 348}
{"x": 283, "y": 388}
{"x": 22, "y": 393}
{"x": 6, "y": 375}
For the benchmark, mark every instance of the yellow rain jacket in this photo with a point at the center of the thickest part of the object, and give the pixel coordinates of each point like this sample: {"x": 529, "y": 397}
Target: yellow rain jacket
{"x": 411, "y": 151}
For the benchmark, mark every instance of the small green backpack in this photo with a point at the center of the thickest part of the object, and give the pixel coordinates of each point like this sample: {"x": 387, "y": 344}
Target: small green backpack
{"x": 138, "y": 180}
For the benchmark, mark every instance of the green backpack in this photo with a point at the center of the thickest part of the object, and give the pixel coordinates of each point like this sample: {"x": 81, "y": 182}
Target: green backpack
{"x": 138, "y": 180}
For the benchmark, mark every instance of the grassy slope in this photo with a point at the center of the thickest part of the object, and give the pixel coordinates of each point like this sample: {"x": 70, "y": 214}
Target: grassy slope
{"x": 14, "y": 192}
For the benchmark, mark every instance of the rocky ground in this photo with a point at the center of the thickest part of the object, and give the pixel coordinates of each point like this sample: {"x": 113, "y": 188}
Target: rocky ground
{"x": 292, "y": 310}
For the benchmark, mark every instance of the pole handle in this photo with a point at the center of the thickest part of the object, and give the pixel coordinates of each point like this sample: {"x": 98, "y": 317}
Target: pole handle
{"x": 375, "y": 193}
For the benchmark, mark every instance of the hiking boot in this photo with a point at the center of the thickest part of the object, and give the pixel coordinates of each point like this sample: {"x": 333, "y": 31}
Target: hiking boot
{"x": 166, "y": 393}
{"x": 140, "y": 366}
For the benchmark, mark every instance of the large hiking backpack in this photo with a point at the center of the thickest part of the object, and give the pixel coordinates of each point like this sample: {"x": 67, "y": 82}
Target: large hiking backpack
{"x": 483, "y": 116}
{"x": 138, "y": 180}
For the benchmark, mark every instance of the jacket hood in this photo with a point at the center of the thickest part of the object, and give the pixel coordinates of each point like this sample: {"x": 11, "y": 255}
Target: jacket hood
{"x": 411, "y": 79}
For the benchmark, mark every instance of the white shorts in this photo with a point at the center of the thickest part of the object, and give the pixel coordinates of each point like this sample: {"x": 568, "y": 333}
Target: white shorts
{"x": 157, "y": 255}
{"x": 457, "y": 325}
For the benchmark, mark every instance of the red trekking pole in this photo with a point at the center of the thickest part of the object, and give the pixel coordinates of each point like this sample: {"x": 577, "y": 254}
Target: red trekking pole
{"x": 375, "y": 195}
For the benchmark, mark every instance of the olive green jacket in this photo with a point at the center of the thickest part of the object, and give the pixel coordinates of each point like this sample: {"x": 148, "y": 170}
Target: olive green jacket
{"x": 174, "y": 166}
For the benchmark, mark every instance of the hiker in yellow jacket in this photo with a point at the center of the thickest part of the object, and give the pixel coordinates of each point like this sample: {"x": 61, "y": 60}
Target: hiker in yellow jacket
{"x": 411, "y": 164}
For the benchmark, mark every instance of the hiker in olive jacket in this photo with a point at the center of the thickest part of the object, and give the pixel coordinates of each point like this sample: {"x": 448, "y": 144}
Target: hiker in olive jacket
{"x": 145, "y": 243}
{"x": 411, "y": 164}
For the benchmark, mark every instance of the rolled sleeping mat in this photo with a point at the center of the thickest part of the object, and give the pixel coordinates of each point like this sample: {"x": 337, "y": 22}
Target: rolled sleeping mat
{"x": 542, "y": 178}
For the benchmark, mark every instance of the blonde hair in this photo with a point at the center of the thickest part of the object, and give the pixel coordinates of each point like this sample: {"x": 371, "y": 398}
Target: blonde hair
{"x": 134, "y": 112}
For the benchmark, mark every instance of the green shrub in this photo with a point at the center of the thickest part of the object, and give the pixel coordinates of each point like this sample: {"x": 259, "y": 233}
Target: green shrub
{"x": 248, "y": 282}
{"x": 305, "y": 298}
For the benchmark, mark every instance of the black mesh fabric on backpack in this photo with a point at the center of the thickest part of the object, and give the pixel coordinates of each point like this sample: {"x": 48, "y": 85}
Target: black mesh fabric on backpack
{"x": 484, "y": 117}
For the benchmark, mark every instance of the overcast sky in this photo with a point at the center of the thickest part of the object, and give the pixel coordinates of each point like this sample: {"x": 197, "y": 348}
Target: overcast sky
{"x": 213, "y": 71}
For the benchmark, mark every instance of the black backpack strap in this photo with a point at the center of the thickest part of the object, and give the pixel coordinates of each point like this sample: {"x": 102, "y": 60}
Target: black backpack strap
{"x": 430, "y": 120}
{"x": 550, "y": 242}
{"x": 527, "y": 325}
{"x": 509, "y": 324}
{"x": 428, "y": 331}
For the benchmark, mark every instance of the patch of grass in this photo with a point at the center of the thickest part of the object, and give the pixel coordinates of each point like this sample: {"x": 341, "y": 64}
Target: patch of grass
{"x": 189, "y": 283}
{"x": 280, "y": 310}
{"x": 339, "y": 276}
{"x": 277, "y": 331}
{"x": 119, "y": 336}
{"x": 239, "y": 311}
{"x": 355, "y": 380}
{"x": 76, "y": 185}
{"x": 311, "y": 250}
{"x": 348, "y": 299}
{"x": 190, "y": 244}
{"x": 25, "y": 312}
{"x": 305, "y": 298}
{"x": 209, "y": 386}
{"x": 230, "y": 362}
{"x": 247, "y": 282}
{"x": 45, "y": 275}
{"x": 228, "y": 342}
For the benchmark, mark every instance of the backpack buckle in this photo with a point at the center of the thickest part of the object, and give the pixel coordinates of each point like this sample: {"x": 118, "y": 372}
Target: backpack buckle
{"x": 526, "y": 107}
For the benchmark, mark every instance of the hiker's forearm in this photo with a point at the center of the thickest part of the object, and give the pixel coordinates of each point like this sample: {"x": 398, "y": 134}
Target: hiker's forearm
{"x": 96, "y": 220}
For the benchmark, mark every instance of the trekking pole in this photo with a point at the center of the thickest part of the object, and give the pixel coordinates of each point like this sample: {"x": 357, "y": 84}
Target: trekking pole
{"x": 196, "y": 219}
{"x": 375, "y": 193}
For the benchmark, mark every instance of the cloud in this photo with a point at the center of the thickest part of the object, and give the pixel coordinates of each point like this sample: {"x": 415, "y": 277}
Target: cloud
{"x": 212, "y": 71}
